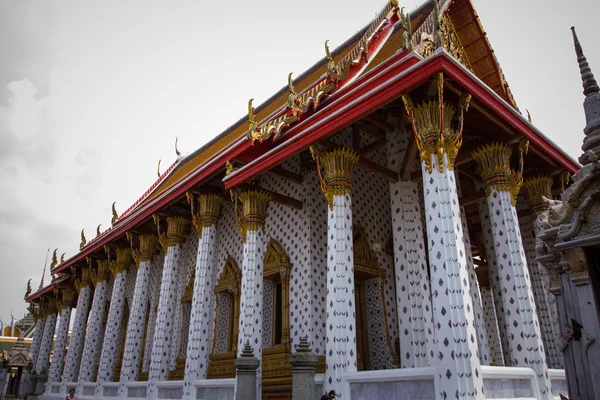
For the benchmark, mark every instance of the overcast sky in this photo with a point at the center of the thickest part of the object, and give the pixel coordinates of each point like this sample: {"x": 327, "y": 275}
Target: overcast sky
{"x": 92, "y": 95}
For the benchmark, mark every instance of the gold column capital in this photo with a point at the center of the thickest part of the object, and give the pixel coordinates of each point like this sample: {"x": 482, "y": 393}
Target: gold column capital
{"x": 84, "y": 280}
{"x": 432, "y": 126}
{"x": 123, "y": 261}
{"x": 494, "y": 161}
{"x": 535, "y": 190}
{"x": 66, "y": 298}
{"x": 483, "y": 276}
{"x": 337, "y": 166}
{"x": 207, "y": 210}
{"x": 176, "y": 231}
{"x": 254, "y": 211}
{"x": 101, "y": 273}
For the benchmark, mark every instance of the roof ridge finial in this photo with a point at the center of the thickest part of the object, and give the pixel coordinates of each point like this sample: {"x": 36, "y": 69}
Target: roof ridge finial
{"x": 589, "y": 82}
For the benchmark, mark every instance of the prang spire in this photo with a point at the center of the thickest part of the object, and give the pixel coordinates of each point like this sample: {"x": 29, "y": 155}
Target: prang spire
{"x": 591, "y": 106}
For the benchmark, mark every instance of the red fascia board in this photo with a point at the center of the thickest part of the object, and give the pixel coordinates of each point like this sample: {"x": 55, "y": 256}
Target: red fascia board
{"x": 40, "y": 292}
{"x": 368, "y": 95}
{"x": 506, "y": 113}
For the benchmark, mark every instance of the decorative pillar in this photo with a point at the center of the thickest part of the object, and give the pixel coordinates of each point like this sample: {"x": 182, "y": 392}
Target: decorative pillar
{"x": 251, "y": 223}
{"x": 40, "y": 321}
{"x": 490, "y": 251}
{"x": 205, "y": 218}
{"x": 502, "y": 185}
{"x": 458, "y": 370}
{"x": 76, "y": 343}
{"x": 535, "y": 191}
{"x": 489, "y": 316}
{"x": 480, "y": 328}
{"x": 111, "y": 345}
{"x": 336, "y": 183}
{"x": 58, "y": 358}
{"x": 246, "y": 371}
{"x": 132, "y": 355}
{"x": 43, "y": 361}
{"x": 171, "y": 242}
{"x": 413, "y": 297}
{"x": 303, "y": 361}
{"x": 95, "y": 328}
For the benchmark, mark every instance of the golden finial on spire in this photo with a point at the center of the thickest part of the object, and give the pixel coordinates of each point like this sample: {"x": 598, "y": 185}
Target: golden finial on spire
{"x": 228, "y": 167}
{"x": 291, "y": 84}
{"x": 528, "y": 116}
{"x": 115, "y": 216}
{"x": 83, "y": 240}
{"x": 28, "y": 292}
{"x": 98, "y": 230}
{"x": 252, "y": 124}
{"x": 62, "y": 258}
{"x": 177, "y": 150}
{"x": 327, "y": 52}
{"x": 158, "y": 169}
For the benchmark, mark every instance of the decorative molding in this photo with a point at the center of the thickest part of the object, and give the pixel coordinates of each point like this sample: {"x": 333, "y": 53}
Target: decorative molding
{"x": 254, "y": 210}
{"x": 494, "y": 161}
{"x": 176, "y": 231}
{"x": 337, "y": 164}
{"x": 206, "y": 212}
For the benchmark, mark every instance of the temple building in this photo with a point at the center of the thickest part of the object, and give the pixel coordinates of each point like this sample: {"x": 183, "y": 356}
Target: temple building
{"x": 373, "y": 228}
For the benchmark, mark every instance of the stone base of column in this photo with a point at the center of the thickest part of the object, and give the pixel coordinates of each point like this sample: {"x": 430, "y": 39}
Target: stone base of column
{"x": 38, "y": 384}
{"x": 246, "y": 366}
{"x": 303, "y": 361}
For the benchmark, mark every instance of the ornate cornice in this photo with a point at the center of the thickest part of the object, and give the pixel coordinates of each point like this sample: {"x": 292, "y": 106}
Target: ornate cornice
{"x": 432, "y": 127}
{"x": 254, "y": 211}
{"x": 535, "y": 190}
{"x": 176, "y": 231}
{"x": 207, "y": 210}
{"x": 337, "y": 165}
{"x": 494, "y": 161}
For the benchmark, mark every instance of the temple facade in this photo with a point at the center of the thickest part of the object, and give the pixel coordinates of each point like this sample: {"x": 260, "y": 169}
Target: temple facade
{"x": 370, "y": 229}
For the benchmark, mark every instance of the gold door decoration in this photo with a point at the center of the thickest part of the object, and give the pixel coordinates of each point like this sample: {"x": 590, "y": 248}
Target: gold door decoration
{"x": 230, "y": 283}
{"x": 367, "y": 267}
{"x": 186, "y": 305}
{"x": 277, "y": 371}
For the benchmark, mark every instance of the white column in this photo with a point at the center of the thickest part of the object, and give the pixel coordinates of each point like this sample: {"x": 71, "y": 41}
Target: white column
{"x": 43, "y": 360}
{"x": 132, "y": 355}
{"x": 413, "y": 295}
{"x": 480, "y": 328}
{"x": 254, "y": 211}
{"x": 161, "y": 345}
{"x": 502, "y": 185}
{"x": 336, "y": 183}
{"x": 71, "y": 371}
{"x": 201, "y": 317}
{"x": 111, "y": 343}
{"x": 62, "y": 334}
{"x": 458, "y": 370}
{"x": 37, "y": 336}
{"x": 95, "y": 327}
{"x": 490, "y": 251}
{"x": 489, "y": 316}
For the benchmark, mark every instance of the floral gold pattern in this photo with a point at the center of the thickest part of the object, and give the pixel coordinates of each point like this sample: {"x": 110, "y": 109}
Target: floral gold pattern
{"x": 494, "y": 161}
{"x": 535, "y": 190}
{"x": 337, "y": 175}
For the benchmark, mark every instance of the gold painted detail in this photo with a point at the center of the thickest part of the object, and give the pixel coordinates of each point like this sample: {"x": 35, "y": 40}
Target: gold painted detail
{"x": 147, "y": 247}
{"x": 67, "y": 299}
{"x": 483, "y": 276}
{"x": 311, "y": 98}
{"x": 494, "y": 161}
{"x": 254, "y": 211}
{"x": 407, "y": 39}
{"x": 28, "y": 292}
{"x": 207, "y": 210}
{"x": 175, "y": 234}
{"x": 336, "y": 178}
{"x": 277, "y": 267}
{"x": 83, "y": 240}
{"x": 83, "y": 280}
{"x": 115, "y": 216}
{"x": 432, "y": 127}
{"x": 229, "y": 166}
{"x": 101, "y": 273}
{"x": 54, "y": 260}
{"x": 536, "y": 189}
{"x": 124, "y": 260}
{"x": 98, "y": 230}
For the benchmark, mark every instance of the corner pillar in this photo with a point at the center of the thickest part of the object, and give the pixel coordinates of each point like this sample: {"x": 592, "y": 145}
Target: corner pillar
{"x": 458, "y": 369}
{"x": 502, "y": 185}
{"x": 205, "y": 215}
{"x": 336, "y": 183}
